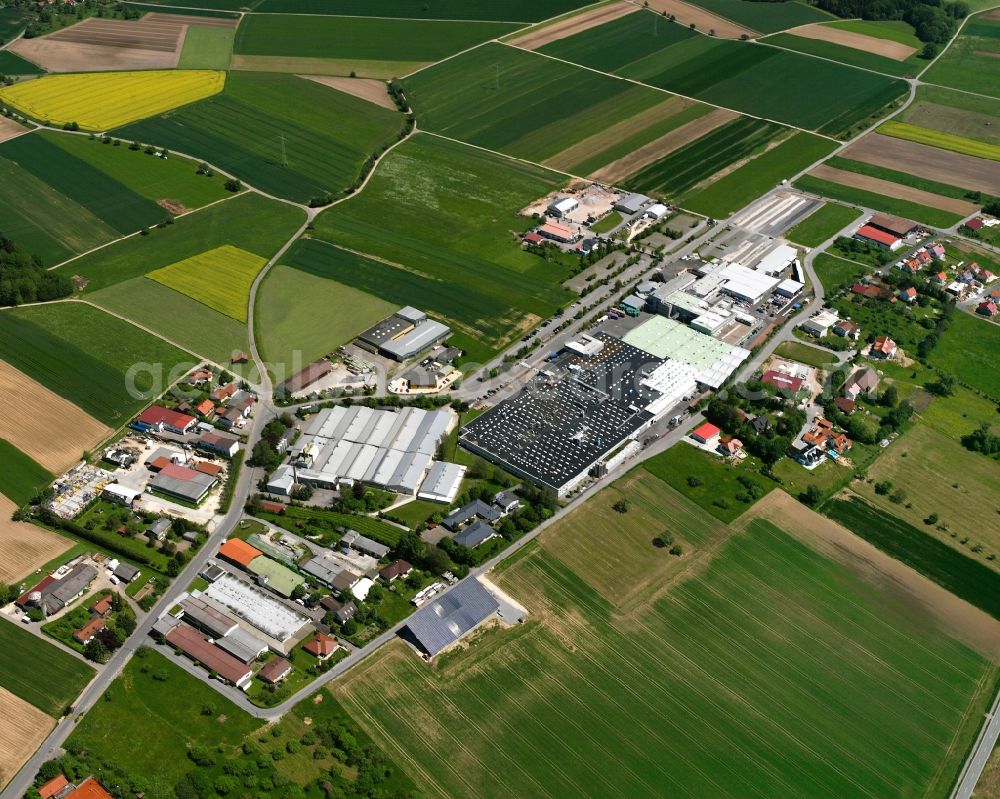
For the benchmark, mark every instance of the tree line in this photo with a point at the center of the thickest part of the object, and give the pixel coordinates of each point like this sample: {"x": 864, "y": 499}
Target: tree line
{"x": 24, "y": 279}
{"x": 933, "y": 21}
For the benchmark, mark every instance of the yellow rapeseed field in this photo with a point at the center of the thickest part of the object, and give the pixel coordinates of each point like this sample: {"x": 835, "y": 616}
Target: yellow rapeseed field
{"x": 105, "y": 100}
{"x": 936, "y": 138}
{"x": 219, "y": 278}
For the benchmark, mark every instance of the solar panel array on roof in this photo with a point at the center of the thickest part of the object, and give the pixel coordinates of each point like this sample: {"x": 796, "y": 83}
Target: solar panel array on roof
{"x": 557, "y": 427}
{"x": 446, "y": 619}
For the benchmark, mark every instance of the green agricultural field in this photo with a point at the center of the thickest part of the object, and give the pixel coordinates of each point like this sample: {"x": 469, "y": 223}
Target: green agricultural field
{"x": 892, "y": 29}
{"x": 20, "y": 476}
{"x": 439, "y": 217}
{"x": 616, "y": 44}
{"x": 946, "y": 141}
{"x": 359, "y": 38}
{"x": 54, "y": 678}
{"x": 674, "y": 175}
{"x": 207, "y": 47}
{"x": 959, "y": 414}
{"x": 220, "y": 278}
{"x": 610, "y": 222}
{"x": 285, "y": 135}
{"x": 971, "y": 57}
{"x": 803, "y": 353}
{"x": 968, "y": 350}
{"x": 894, "y": 176}
{"x": 516, "y": 10}
{"x": 848, "y": 194}
{"x": 112, "y": 202}
{"x": 713, "y": 484}
{"x": 13, "y": 64}
{"x": 967, "y": 115}
{"x": 170, "y": 180}
{"x": 44, "y": 222}
{"x": 835, "y": 272}
{"x": 83, "y": 354}
{"x": 12, "y": 20}
{"x": 737, "y": 189}
{"x": 965, "y": 577}
{"x": 249, "y": 221}
{"x": 522, "y": 103}
{"x": 302, "y": 316}
{"x": 765, "y": 18}
{"x": 822, "y": 224}
{"x": 851, "y": 56}
{"x": 941, "y": 477}
{"x": 771, "y": 670}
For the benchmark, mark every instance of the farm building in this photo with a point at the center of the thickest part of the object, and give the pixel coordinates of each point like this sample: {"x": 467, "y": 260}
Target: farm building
{"x": 53, "y": 594}
{"x": 206, "y": 618}
{"x": 867, "y": 290}
{"x": 820, "y": 324}
{"x": 557, "y": 232}
{"x": 475, "y": 534}
{"x": 706, "y": 433}
{"x": 86, "y": 633}
{"x": 126, "y": 572}
{"x": 197, "y": 647}
{"x": 227, "y": 446}
{"x": 872, "y": 235}
{"x": 120, "y": 495}
{"x": 387, "y": 449}
{"x": 631, "y": 203}
{"x": 443, "y": 482}
{"x": 182, "y": 483}
{"x": 405, "y": 334}
{"x": 900, "y": 228}
{"x": 274, "y": 671}
{"x": 883, "y": 347}
{"x": 158, "y": 419}
{"x": 562, "y": 207}
{"x": 307, "y": 376}
{"x": 447, "y": 618}
{"x": 656, "y": 211}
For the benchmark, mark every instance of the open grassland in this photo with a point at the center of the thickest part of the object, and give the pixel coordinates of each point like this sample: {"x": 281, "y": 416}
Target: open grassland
{"x": 957, "y": 113}
{"x": 101, "y": 101}
{"x": 865, "y": 58}
{"x": 44, "y": 426}
{"x": 190, "y": 323}
{"x": 769, "y": 670}
{"x": 963, "y": 575}
{"x": 25, "y": 547}
{"x": 941, "y": 477}
{"x": 37, "y": 672}
{"x": 112, "y": 202}
{"x": 873, "y": 199}
{"x": 285, "y": 135}
{"x": 249, "y": 221}
{"x": 968, "y": 349}
{"x": 974, "y": 55}
{"x": 673, "y": 176}
{"x": 437, "y": 219}
{"x": 301, "y": 316}
{"x": 20, "y": 476}
{"x": 522, "y": 103}
{"x": 516, "y": 10}
{"x": 765, "y": 18}
{"x": 12, "y": 21}
{"x": 219, "y": 278}
{"x": 23, "y": 730}
{"x": 207, "y": 47}
{"x": 762, "y": 173}
{"x": 83, "y": 354}
{"x": 613, "y": 552}
{"x": 936, "y": 138}
{"x": 43, "y": 221}
{"x": 959, "y": 414}
{"x": 154, "y": 693}
{"x": 706, "y": 479}
{"x": 824, "y": 223}
{"x": 834, "y": 272}
{"x": 172, "y": 182}
{"x": 360, "y": 38}
{"x": 13, "y": 64}
{"x": 803, "y": 353}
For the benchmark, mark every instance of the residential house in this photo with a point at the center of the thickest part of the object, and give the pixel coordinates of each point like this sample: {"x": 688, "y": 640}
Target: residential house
{"x": 706, "y": 433}
{"x": 937, "y": 251}
{"x": 475, "y": 534}
{"x": 158, "y": 419}
{"x": 940, "y": 279}
{"x": 907, "y": 295}
{"x": 506, "y": 502}
{"x": 321, "y": 646}
{"x": 223, "y": 393}
{"x": 731, "y": 447}
{"x": 987, "y": 308}
{"x": 159, "y": 528}
{"x": 845, "y": 328}
{"x": 474, "y": 509}
{"x": 761, "y": 425}
{"x": 845, "y": 405}
{"x": 976, "y": 223}
{"x": 274, "y": 671}
{"x": 868, "y": 290}
{"x": 883, "y": 348}
{"x": 863, "y": 382}
{"x": 395, "y": 570}
{"x": 102, "y": 607}
{"x": 205, "y": 409}
{"x": 86, "y": 633}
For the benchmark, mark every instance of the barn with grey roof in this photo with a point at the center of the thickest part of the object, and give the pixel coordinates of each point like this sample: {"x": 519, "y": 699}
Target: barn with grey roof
{"x": 444, "y": 620}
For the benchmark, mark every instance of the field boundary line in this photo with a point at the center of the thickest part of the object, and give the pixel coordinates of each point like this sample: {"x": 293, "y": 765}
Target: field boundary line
{"x": 505, "y": 155}
{"x": 667, "y": 91}
{"x": 454, "y": 55}
{"x": 952, "y": 41}
{"x": 823, "y": 57}
{"x": 401, "y": 19}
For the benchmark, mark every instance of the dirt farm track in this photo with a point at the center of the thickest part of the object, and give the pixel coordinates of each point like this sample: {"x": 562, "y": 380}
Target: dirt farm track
{"x": 954, "y": 169}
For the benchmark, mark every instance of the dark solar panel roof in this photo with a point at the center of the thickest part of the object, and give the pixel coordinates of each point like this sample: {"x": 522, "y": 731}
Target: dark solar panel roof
{"x": 449, "y": 617}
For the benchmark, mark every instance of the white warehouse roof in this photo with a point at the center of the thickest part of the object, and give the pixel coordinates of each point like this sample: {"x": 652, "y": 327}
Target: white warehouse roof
{"x": 442, "y": 483}
{"x": 746, "y": 284}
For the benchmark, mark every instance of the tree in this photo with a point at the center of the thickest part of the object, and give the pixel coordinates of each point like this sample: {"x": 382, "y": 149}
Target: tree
{"x": 889, "y": 397}
{"x": 676, "y": 550}
{"x": 233, "y": 185}
{"x": 622, "y": 506}
{"x": 812, "y": 496}
{"x": 944, "y": 386}
{"x": 929, "y": 51}
{"x": 931, "y": 519}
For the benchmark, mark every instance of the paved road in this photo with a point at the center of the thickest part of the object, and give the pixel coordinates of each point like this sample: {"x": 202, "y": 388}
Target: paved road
{"x": 980, "y": 754}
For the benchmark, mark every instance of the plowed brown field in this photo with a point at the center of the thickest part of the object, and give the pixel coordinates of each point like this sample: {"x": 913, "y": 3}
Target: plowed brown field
{"x": 9, "y": 129}
{"x": 897, "y": 190}
{"x": 703, "y": 20}
{"x": 578, "y": 23}
{"x": 856, "y": 41}
{"x": 43, "y": 425}
{"x": 374, "y": 91}
{"x": 23, "y": 730}
{"x": 25, "y": 547}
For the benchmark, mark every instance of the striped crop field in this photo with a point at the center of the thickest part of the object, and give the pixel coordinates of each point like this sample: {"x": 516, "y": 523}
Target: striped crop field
{"x": 219, "y": 278}
{"x": 771, "y": 670}
{"x": 102, "y": 101}
{"x": 937, "y": 138}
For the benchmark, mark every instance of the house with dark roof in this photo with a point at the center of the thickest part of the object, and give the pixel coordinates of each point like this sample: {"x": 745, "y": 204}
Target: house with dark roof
{"x": 863, "y": 382}
{"x": 845, "y": 328}
{"x": 475, "y": 534}
{"x": 395, "y": 570}
{"x": 274, "y": 671}
{"x": 476, "y": 508}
